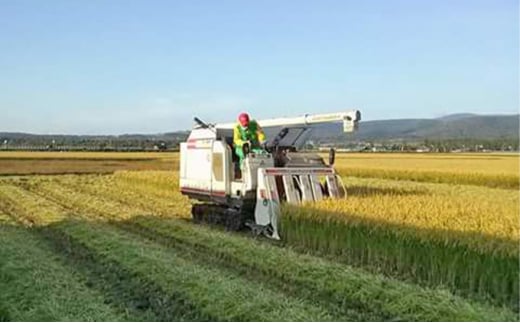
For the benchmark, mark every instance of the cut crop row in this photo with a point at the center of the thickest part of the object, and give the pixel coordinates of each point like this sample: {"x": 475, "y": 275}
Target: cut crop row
{"x": 36, "y": 286}
{"x": 183, "y": 289}
{"x": 164, "y": 202}
{"x": 199, "y": 293}
{"x": 125, "y": 294}
{"x": 339, "y": 286}
{"x": 26, "y": 208}
{"x": 80, "y": 203}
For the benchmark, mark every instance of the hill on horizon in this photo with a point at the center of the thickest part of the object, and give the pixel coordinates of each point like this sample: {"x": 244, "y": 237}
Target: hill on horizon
{"x": 455, "y": 126}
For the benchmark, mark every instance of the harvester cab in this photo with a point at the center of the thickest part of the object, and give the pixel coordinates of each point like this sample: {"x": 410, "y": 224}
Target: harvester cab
{"x": 250, "y": 195}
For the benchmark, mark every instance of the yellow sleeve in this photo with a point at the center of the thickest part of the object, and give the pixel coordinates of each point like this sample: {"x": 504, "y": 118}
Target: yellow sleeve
{"x": 260, "y": 133}
{"x": 237, "y": 138}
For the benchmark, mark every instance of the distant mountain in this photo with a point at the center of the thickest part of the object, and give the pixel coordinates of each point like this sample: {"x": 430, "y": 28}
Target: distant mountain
{"x": 457, "y": 126}
{"x": 96, "y": 142}
{"x": 159, "y": 136}
{"x": 457, "y": 116}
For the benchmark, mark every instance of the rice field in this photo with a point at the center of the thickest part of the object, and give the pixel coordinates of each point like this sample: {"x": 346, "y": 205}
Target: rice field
{"x": 119, "y": 246}
{"x": 35, "y": 163}
{"x": 491, "y": 170}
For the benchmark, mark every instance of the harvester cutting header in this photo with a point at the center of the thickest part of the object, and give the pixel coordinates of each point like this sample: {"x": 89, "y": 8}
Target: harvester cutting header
{"x": 242, "y": 175}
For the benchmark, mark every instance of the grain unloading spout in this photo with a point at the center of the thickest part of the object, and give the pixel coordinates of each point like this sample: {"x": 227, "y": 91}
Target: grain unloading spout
{"x": 294, "y": 186}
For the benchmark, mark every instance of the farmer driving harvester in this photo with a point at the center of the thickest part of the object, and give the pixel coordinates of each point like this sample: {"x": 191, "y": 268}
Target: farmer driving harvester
{"x": 247, "y": 132}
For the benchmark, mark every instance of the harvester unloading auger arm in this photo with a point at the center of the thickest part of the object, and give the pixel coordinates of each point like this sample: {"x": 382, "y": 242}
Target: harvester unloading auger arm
{"x": 350, "y": 120}
{"x": 252, "y": 196}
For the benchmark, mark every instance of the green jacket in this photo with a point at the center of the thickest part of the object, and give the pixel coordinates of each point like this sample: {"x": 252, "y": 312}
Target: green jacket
{"x": 253, "y": 133}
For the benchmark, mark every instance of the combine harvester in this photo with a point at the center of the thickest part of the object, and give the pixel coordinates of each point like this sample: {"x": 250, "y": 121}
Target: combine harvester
{"x": 251, "y": 196}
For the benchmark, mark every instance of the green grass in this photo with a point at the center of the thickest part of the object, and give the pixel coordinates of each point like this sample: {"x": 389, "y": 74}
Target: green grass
{"x": 351, "y": 290}
{"x": 196, "y": 292}
{"x": 183, "y": 288}
{"x": 36, "y": 286}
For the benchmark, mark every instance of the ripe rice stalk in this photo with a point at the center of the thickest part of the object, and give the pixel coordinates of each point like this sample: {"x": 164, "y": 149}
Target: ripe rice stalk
{"x": 491, "y": 170}
{"x": 506, "y": 181}
{"x": 463, "y": 237}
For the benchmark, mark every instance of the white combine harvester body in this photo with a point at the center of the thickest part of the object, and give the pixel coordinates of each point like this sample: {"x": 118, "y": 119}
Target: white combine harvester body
{"x": 251, "y": 196}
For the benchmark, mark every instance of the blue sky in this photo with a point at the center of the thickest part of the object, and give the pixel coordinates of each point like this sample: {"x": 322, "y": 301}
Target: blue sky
{"x": 112, "y": 67}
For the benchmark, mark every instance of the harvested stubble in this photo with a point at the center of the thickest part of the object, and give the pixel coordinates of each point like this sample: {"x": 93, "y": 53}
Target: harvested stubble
{"x": 463, "y": 237}
{"x": 26, "y": 163}
{"x": 86, "y": 155}
{"x": 16, "y": 200}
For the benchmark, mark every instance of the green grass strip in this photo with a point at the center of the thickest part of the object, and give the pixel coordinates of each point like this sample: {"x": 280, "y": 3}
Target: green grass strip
{"x": 36, "y": 286}
{"x": 379, "y": 297}
{"x": 205, "y": 256}
{"x": 210, "y": 293}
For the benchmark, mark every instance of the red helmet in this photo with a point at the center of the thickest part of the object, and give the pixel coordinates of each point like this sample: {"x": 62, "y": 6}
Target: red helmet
{"x": 243, "y": 119}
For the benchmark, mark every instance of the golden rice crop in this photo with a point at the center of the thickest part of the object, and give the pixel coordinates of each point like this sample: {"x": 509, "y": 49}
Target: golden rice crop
{"x": 474, "y": 216}
{"x": 462, "y": 163}
{"x": 492, "y": 170}
{"x": 461, "y": 236}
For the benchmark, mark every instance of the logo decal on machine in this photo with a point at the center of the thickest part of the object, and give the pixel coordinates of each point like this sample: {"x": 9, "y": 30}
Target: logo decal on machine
{"x": 202, "y": 143}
